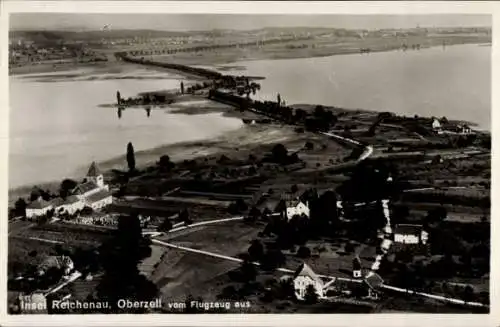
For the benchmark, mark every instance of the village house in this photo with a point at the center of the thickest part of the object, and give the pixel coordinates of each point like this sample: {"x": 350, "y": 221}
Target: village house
{"x": 295, "y": 206}
{"x": 436, "y": 126}
{"x": 62, "y": 262}
{"x": 305, "y": 276}
{"x": 410, "y": 234}
{"x": 464, "y": 129}
{"x": 38, "y": 208}
{"x": 374, "y": 282}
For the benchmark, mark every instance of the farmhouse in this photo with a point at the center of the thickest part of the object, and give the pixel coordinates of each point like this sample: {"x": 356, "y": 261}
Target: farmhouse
{"x": 295, "y": 206}
{"x": 464, "y": 129}
{"x": 373, "y": 281}
{"x": 410, "y": 234}
{"x": 37, "y": 208}
{"x": 436, "y": 126}
{"x": 305, "y": 276}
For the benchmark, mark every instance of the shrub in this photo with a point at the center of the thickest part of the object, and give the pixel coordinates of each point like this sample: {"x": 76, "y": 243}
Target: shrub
{"x": 304, "y": 252}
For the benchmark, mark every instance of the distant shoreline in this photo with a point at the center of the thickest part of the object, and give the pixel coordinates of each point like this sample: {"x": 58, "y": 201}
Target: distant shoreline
{"x": 216, "y": 61}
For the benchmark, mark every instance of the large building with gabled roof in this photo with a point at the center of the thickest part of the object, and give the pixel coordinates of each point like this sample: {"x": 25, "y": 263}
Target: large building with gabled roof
{"x": 92, "y": 193}
{"x": 37, "y": 208}
{"x": 305, "y": 276}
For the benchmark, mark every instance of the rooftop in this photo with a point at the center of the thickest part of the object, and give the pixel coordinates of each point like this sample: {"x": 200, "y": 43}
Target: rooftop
{"x": 305, "y": 270}
{"x": 71, "y": 199}
{"x": 93, "y": 170}
{"x": 373, "y": 280}
{"x": 85, "y": 187}
{"x": 98, "y": 196}
{"x": 57, "y": 202}
{"x": 39, "y": 204}
{"x": 408, "y": 229}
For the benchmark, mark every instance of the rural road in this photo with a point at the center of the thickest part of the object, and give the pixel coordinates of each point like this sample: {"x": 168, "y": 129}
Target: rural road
{"x": 388, "y": 287}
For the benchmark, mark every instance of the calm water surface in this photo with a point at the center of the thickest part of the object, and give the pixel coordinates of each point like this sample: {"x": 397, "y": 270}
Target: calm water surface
{"x": 455, "y": 82}
{"x": 57, "y": 127}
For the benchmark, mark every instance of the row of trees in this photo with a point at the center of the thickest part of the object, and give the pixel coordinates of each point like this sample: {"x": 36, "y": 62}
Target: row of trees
{"x": 320, "y": 120}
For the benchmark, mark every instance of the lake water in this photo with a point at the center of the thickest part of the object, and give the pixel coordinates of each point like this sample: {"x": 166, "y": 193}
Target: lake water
{"x": 57, "y": 127}
{"x": 455, "y": 82}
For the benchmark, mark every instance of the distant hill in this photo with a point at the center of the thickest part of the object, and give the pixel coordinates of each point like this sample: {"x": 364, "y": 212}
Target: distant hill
{"x": 41, "y": 36}
{"x": 54, "y": 35}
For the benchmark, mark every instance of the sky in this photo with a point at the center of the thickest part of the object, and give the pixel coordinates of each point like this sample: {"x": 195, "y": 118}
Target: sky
{"x": 185, "y": 22}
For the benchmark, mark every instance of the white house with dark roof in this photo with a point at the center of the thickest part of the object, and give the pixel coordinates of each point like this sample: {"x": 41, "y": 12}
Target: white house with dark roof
{"x": 374, "y": 283}
{"x": 295, "y": 207}
{"x": 305, "y": 276}
{"x": 410, "y": 234}
{"x": 436, "y": 126}
{"x": 37, "y": 208}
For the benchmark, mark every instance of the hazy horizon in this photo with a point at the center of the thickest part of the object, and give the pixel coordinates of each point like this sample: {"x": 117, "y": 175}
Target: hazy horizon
{"x": 203, "y": 22}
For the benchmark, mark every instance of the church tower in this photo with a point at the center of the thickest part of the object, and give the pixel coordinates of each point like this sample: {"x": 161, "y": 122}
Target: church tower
{"x": 95, "y": 175}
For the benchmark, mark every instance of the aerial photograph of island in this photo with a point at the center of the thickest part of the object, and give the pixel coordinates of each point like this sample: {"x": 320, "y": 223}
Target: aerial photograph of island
{"x": 234, "y": 163}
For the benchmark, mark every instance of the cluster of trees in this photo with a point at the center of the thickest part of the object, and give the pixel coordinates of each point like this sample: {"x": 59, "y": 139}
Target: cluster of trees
{"x": 165, "y": 164}
{"x": 320, "y": 120}
{"x": 120, "y": 257}
{"x": 323, "y": 221}
{"x": 369, "y": 182}
{"x": 146, "y": 99}
{"x": 279, "y": 154}
{"x": 269, "y": 258}
{"x": 183, "y": 216}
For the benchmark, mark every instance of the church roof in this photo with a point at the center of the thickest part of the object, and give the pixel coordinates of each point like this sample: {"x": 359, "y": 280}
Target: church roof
{"x": 305, "y": 270}
{"x": 98, "y": 196}
{"x": 57, "y": 202}
{"x": 93, "y": 170}
{"x": 85, "y": 187}
{"x": 71, "y": 199}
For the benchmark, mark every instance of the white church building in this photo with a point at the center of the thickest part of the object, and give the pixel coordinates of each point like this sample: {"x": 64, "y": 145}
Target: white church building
{"x": 93, "y": 193}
